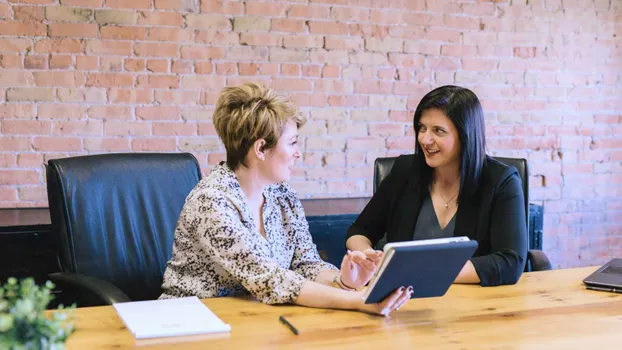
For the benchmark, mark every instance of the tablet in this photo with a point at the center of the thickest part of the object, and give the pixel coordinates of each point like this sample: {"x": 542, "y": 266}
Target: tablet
{"x": 430, "y": 266}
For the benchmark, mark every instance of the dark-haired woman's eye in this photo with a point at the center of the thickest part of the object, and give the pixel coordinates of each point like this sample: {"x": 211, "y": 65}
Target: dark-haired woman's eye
{"x": 440, "y": 131}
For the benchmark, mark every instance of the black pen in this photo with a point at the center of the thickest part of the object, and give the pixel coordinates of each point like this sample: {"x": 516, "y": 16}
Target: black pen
{"x": 289, "y": 325}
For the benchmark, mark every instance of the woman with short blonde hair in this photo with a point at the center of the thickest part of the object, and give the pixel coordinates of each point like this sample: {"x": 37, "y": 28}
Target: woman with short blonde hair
{"x": 243, "y": 229}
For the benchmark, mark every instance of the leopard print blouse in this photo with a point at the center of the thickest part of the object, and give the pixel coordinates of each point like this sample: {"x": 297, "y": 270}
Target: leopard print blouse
{"x": 218, "y": 251}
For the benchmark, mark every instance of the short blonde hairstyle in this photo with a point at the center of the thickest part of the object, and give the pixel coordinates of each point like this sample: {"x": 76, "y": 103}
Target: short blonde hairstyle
{"x": 249, "y": 112}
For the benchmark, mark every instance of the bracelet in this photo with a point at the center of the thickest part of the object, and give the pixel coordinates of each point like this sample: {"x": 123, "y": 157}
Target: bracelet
{"x": 339, "y": 283}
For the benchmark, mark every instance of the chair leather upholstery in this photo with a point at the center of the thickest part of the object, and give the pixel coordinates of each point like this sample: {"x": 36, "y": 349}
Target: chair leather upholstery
{"x": 115, "y": 215}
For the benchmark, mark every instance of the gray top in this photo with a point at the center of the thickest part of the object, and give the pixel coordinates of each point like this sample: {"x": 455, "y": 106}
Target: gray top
{"x": 427, "y": 223}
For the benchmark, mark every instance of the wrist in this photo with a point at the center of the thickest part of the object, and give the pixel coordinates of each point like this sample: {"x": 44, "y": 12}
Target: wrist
{"x": 338, "y": 281}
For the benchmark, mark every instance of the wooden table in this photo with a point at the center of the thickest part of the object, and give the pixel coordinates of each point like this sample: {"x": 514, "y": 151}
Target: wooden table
{"x": 545, "y": 310}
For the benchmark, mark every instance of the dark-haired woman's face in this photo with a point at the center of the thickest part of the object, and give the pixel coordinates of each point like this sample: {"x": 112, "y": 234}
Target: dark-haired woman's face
{"x": 438, "y": 139}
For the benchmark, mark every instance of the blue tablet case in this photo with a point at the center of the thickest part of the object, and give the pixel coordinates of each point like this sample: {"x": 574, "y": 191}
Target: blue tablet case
{"x": 430, "y": 269}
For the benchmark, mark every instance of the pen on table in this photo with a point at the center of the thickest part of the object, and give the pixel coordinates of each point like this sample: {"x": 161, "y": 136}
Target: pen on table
{"x": 289, "y": 325}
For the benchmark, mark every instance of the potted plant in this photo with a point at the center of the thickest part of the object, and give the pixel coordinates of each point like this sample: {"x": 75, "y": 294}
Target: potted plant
{"x": 24, "y": 323}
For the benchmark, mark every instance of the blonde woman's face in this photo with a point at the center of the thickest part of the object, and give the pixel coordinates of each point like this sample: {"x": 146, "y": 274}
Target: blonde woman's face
{"x": 280, "y": 159}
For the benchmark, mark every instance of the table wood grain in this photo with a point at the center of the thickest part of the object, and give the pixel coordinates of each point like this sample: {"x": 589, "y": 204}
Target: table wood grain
{"x": 545, "y": 310}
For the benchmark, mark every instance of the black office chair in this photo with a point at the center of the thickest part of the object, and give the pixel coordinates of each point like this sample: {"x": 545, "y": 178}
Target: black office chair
{"x": 115, "y": 216}
{"x": 536, "y": 259}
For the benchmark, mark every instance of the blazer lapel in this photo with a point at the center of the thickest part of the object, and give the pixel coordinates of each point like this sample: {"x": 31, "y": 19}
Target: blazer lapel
{"x": 406, "y": 214}
{"x": 466, "y": 218}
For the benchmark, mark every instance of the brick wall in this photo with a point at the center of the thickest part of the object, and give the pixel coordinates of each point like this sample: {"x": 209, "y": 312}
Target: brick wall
{"x": 92, "y": 76}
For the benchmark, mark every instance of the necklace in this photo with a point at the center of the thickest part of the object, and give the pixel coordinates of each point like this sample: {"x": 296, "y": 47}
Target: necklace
{"x": 450, "y": 199}
{"x": 447, "y": 201}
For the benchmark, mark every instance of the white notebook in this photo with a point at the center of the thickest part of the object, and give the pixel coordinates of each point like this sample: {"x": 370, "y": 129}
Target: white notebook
{"x": 169, "y": 317}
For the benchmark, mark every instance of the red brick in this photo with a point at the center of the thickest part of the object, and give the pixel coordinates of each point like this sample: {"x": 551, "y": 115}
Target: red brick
{"x": 15, "y": 44}
{"x": 307, "y": 41}
{"x": 19, "y": 177}
{"x": 315, "y": 71}
{"x": 26, "y": 127}
{"x": 348, "y": 100}
{"x": 138, "y": 96}
{"x": 261, "y": 39}
{"x": 177, "y": 97}
{"x": 320, "y": 27}
{"x": 82, "y": 30}
{"x": 181, "y": 67}
{"x": 9, "y": 143}
{"x": 442, "y": 64}
{"x": 182, "y": 5}
{"x": 290, "y": 69}
{"x": 8, "y": 161}
{"x": 7, "y": 194}
{"x": 134, "y": 64}
{"x": 59, "y": 46}
{"x": 266, "y": 9}
{"x": 204, "y": 67}
{"x": 107, "y": 144}
{"x": 109, "y": 112}
{"x": 28, "y": 13}
{"x": 156, "y": 49}
{"x": 171, "y": 34}
{"x": 85, "y": 3}
{"x": 208, "y": 21}
{"x": 29, "y": 160}
{"x": 479, "y": 64}
{"x": 109, "y": 79}
{"x": 123, "y": 33}
{"x": 291, "y": 84}
{"x": 288, "y": 25}
{"x": 11, "y": 61}
{"x": 61, "y": 111}
{"x": 247, "y": 53}
{"x": 35, "y": 62}
{"x": 207, "y": 129}
{"x": 158, "y": 113}
{"x": 525, "y": 52}
{"x": 158, "y": 81}
{"x": 87, "y": 62}
{"x": 157, "y": 66}
{"x": 111, "y": 64}
{"x": 248, "y": 68}
{"x": 309, "y": 100}
{"x": 129, "y": 4}
{"x": 174, "y": 129}
{"x": 125, "y": 128}
{"x": 201, "y": 52}
{"x": 90, "y": 127}
{"x": 30, "y": 94}
{"x": 350, "y": 14}
{"x": 160, "y": 18}
{"x": 5, "y": 11}
{"x": 407, "y": 60}
{"x": 219, "y": 6}
{"x": 217, "y": 38}
{"x": 154, "y": 144}
{"x": 19, "y": 28}
{"x": 226, "y": 68}
{"x": 308, "y": 11}
{"x": 60, "y": 61}
{"x": 59, "y": 78}
{"x": 57, "y": 144}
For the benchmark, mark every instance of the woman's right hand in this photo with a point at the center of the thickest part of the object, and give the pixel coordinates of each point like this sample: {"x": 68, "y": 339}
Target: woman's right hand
{"x": 391, "y": 303}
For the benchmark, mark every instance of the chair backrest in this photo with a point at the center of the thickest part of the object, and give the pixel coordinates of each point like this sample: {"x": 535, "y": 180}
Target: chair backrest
{"x": 115, "y": 215}
{"x": 382, "y": 168}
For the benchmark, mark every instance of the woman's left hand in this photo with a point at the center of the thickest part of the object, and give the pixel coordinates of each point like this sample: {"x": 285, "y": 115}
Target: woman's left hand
{"x": 357, "y": 268}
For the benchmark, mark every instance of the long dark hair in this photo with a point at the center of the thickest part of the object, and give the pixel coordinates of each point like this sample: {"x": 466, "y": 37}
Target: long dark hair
{"x": 464, "y": 110}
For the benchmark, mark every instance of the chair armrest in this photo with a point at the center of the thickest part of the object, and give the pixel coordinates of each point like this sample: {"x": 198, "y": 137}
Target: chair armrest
{"x": 86, "y": 290}
{"x": 539, "y": 261}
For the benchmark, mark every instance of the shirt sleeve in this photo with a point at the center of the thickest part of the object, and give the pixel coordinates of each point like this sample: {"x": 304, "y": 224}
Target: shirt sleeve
{"x": 235, "y": 248}
{"x": 508, "y": 237}
{"x": 306, "y": 260}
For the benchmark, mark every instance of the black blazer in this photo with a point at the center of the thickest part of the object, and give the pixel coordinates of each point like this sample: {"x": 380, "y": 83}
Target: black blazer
{"x": 494, "y": 216}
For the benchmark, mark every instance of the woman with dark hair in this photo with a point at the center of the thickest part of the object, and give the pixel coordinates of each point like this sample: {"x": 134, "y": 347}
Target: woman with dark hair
{"x": 448, "y": 188}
